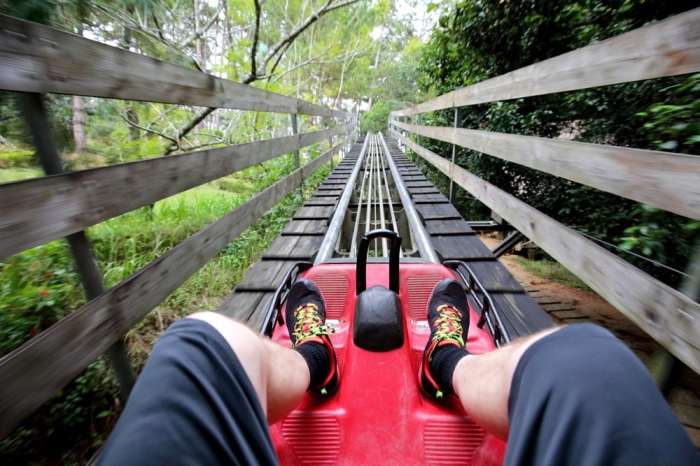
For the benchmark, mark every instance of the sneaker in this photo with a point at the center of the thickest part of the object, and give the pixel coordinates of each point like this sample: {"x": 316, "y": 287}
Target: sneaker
{"x": 306, "y": 322}
{"x": 448, "y": 317}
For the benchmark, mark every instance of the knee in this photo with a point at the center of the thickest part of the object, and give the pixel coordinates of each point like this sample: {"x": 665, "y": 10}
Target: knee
{"x": 248, "y": 346}
{"x": 242, "y": 340}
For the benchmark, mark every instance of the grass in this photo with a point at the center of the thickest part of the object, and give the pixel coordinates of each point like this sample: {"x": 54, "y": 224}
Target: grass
{"x": 39, "y": 286}
{"x": 554, "y": 271}
{"x": 18, "y": 173}
{"x": 16, "y": 157}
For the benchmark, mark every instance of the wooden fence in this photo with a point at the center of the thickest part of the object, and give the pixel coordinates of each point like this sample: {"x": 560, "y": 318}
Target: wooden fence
{"x": 662, "y": 179}
{"x": 36, "y": 59}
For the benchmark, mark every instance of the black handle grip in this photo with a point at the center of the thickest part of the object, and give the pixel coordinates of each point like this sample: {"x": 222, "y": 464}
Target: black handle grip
{"x": 361, "y": 267}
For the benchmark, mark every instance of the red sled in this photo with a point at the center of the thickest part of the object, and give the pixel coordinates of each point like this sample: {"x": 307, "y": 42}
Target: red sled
{"x": 379, "y": 415}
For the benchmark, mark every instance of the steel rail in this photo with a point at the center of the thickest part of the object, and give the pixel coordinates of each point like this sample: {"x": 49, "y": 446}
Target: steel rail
{"x": 358, "y": 215}
{"x": 420, "y": 235}
{"x": 390, "y": 203}
{"x": 380, "y": 200}
{"x": 329, "y": 242}
{"x": 368, "y": 168}
{"x": 372, "y": 215}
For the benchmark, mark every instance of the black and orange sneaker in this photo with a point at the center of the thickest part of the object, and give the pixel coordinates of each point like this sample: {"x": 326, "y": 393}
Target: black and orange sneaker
{"x": 448, "y": 317}
{"x": 306, "y": 322}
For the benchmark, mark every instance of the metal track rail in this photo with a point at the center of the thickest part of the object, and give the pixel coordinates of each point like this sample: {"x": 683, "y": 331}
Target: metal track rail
{"x": 420, "y": 235}
{"x": 327, "y": 247}
{"x": 376, "y": 200}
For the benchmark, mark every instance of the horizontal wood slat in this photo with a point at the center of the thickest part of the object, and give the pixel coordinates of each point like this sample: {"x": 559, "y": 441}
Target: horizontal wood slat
{"x": 665, "y": 180}
{"x": 33, "y": 373}
{"x": 666, "y": 48}
{"x": 665, "y": 314}
{"x": 43, "y": 209}
{"x": 37, "y": 58}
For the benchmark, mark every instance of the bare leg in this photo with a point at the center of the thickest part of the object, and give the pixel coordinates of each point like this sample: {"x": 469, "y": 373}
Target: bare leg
{"x": 482, "y": 383}
{"x": 279, "y": 375}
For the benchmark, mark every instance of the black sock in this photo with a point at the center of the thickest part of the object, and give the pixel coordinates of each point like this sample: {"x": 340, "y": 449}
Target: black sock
{"x": 319, "y": 361}
{"x": 443, "y": 363}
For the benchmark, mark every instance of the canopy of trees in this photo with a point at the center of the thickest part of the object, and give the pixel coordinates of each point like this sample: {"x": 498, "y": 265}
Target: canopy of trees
{"x": 479, "y": 39}
{"x": 358, "y": 55}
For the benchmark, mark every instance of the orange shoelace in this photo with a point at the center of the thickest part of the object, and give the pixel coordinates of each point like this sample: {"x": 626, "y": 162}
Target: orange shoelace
{"x": 448, "y": 325}
{"x": 307, "y": 323}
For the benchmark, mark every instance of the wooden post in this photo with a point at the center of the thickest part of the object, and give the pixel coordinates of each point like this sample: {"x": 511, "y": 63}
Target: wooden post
{"x": 295, "y": 130}
{"x": 297, "y": 156}
{"x": 453, "y": 155}
{"x": 666, "y": 368}
{"x": 330, "y": 142}
{"x": 85, "y": 263}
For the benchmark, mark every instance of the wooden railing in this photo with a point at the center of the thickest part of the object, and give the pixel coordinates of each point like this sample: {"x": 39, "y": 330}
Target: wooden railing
{"x": 662, "y": 179}
{"x": 36, "y": 59}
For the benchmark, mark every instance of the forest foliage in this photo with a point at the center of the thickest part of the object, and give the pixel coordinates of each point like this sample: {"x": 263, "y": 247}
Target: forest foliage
{"x": 357, "y": 55}
{"x": 479, "y": 39}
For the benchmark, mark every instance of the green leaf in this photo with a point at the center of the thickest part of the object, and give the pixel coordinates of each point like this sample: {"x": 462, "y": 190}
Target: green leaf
{"x": 669, "y": 145}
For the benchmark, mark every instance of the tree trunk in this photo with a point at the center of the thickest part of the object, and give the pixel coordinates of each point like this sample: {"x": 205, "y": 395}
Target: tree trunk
{"x": 78, "y": 124}
{"x": 78, "y": 116}
{"x": 133, "y": 116}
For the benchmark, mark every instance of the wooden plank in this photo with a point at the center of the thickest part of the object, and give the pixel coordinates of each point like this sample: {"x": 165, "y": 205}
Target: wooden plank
{"x": 438, "y": 211}
{"x": 422, "y": 190}
{"x": 665, "y": 180}
{"x": 427, "y": 198}
{"x": 467, "y": 247}
{"x": 667, "y": 315}
{"x": 666, "y": 48}
{"x": 302, "y": 247}
{"x": 495, "y": 277}
{"x": 553, "y": 308}
{"x": 433, "y": 218}
{"x": 450, "y": 227}
{"x": 306, "y": 226}
{"x": 39, "y": 210}
{"x": 308, "y": 245}
{"x": 313, "y": 213}
{"x": 240, "y": 306}
{"x": 264, "y": 276}
{"x": 256, "y": 318}
{"x": 521, "y": 314}
{"x": 33, "y": 373}
{"x": 570, "y": 314}
{"x": 318, "y": 203}
{"x": 37, "y": 58}
{"x": 282, "y": 245}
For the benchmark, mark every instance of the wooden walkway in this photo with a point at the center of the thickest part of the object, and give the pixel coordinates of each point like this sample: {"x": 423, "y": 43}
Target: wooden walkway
{"x": 454, "y": 239}
{"x": 299, "y": 241}
{"x": 450, "y": 234}
{"x": 524, "y": 309}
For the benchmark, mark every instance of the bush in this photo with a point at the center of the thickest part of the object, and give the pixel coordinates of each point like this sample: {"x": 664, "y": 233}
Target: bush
{"x": 375, "y": 120}
{"x": 17, "y": 158}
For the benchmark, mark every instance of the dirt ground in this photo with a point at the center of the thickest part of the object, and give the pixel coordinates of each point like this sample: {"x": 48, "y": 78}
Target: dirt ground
{"x": 568, "y": 305}
{"x": 585, "y": 303}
